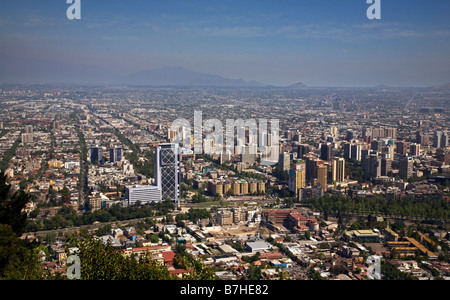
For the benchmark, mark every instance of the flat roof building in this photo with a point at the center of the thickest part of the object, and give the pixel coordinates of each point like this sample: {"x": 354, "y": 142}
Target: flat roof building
{"x": 258, "y": 246}
{"x": 142, "y": 194}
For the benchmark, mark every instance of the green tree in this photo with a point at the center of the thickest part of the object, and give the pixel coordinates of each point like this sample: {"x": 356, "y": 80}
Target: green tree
{"x": 315, "y": 275}
{"x": 153, "y": 238}
{"x": 18, "y": 259}
{"x": 103, "y": 262}
{"x": 198, "y": 270}
{"x": 253, "y": 258}
{"x": 395, "y": 274}
{"x": 254, "y": 272}
{"x": 11, "y": 207}
{"x": 196, "y": 214}
{"x": 307, "y": 235}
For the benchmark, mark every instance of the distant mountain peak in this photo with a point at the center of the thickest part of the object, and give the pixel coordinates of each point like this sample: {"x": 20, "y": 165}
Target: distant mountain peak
{"x": 180, "y": 76}
{"x": 297, "y": 85}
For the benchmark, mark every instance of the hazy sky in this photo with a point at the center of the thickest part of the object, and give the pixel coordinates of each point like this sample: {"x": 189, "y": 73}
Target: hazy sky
{"x": 317, "y": 42}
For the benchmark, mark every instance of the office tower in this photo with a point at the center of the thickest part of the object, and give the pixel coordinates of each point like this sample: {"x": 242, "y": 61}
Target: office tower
{"x": 356, "y": 152}
{"x": 297, "y": 177}
{"x": 419, "y": 135}
{"x": 423, "y": 139}
{"x": 297, "y": 180}
{"x": 96, "y": 154}
{"x": 443, "y": 155}
{"x": 377, "y": 133}
{"x": 142, "y": 194}
{"x": 427, "y": 140}
{"x": 322, "y": 175}
{"x": 406, "y": 165}
{"x": 402, "y": 147}
{"x": 384, "y": 132}
{"x": 347, "y": 151}
{"x": 376, "y": 145}
{"x": 386, "y": 166}
{"x": 444, "y": 139}
{"x": 302, "y": 150}
{"x": 437, "y": 139}
{"x": 414, "y": 149}
{"x": 389, "y": 150}
{"x": 115, "y": 154}
{"x": 390, "y": 133}
{"x": 326, "y": 151}
{"x": 338, "y": 174}
{"x": 373, "y": 166}
{"x": 440, "y": 139}
{"x": 167, "y": 171}
{"x": 297, "y": 137}
{"x": 367, "y": 135}
{"x": 284, "y": 161}
{"x": 311, "y": 167}
{"x": 364, "y": 154}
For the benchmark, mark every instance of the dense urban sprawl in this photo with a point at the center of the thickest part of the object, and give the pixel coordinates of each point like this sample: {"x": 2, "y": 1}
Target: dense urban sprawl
{"x": 358, "y": 173}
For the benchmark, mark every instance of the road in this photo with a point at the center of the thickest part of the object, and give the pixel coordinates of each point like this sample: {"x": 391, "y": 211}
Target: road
{"x": 89, "y": 227}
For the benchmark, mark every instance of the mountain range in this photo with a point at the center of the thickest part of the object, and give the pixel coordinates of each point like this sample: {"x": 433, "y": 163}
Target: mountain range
{"x": 178, "y": 76}
{"x": 38, "y": 71}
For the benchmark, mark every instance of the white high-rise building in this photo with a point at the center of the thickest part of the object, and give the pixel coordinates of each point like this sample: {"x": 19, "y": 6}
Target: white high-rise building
{"x": 142, "y": 194}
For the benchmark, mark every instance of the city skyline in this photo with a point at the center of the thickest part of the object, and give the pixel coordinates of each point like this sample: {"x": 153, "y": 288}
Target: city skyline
{"x": 357, "y": 167}
{"x": 197, "y": 140}
{"x": 317, "y": 43}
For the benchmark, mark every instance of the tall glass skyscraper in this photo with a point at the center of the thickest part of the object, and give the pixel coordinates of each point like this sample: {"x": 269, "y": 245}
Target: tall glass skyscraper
{"x": 167, "y": 171}
{"x": 96, "y": 154}
{"x": 115, "y": 154}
